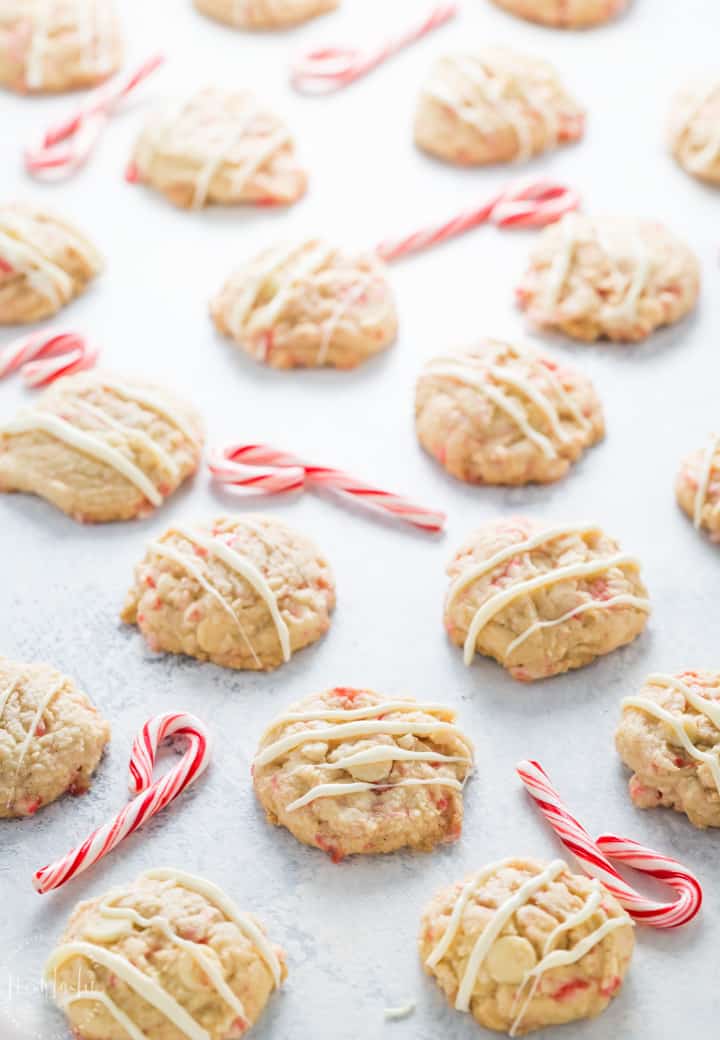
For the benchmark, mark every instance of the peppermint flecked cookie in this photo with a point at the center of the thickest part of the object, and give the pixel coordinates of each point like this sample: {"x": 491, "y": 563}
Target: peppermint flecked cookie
{"x": 101, "y": 447}
{"x": 610, "y": 277}
{"x": 242, "y": 591}
{"x": 350, "y": 771}
{"x": 54, "y": 45}
{"x": 669, "y": 735}
{"x": 565, "y": 14}
{"x": 44, "y": 263}
{"x": 51, "y": 737}
{"x": 525, "y": 944}
{"x": 166, "y": 957}
{"x": 541, "y": 599}
{"x": 694, "y": 129}
{"x": 494, "y": 106}
{"x": 498, "y": 413}
{"x": 265, "y": 14}
{"x": 698, "y": 487}
{"x": 219, "y": 147}
{"x": 308, "y": 305}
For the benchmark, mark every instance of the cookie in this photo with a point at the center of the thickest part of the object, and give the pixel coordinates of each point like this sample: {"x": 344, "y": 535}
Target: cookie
{"x": 265, "y": 14}
{"x": 543, "y": 599}
{"x": 221, "y": 147}
{"x": 698, "y": 487}
{"x": 494, "y": 106}
{"x": 101, "y": 447}
{"x": 694, "y": 129}
{"x": 565, "y": 14}
{"x": 308, "y": 305}
{"x": 669, "y": 735}
{"x": 350, "y": 771}
{"x": 55, "y": 45}
{"x": 611, "y": 277}
{"x": 44, "y": 263}
{"x": 243, "y": 592}
{"x": 51, "y": 737}
{"x": 525, "y": 944}
{"x": 499, "y": 413}
{"x": 166, "y": 956}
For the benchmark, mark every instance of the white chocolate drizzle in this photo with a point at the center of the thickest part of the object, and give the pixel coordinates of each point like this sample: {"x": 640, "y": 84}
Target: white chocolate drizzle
{"x": 131, "y": 434}
{"x": 36, "y": 720}
{"x": 152, "y": 403}
{"x": 144, "y": 985}
{"x": 308, "y": 262}
{"x": 704, "y": 480}
{"x": 5, "y": 696}
{"x": 503, "y": 914}
{"x": 501, "y": 597}
{"x": 366, "y": 722}
{"x": 702, "y": 160}
{"x": 246, "y": 569}
{"x": 35, "y": 419}
{"x": 704, "y": 705}
{"x": 612, "y": 241}
{"x": 518, "y": 112}
{"x": 621, "y": 600}
{"x": 25, "y": 256}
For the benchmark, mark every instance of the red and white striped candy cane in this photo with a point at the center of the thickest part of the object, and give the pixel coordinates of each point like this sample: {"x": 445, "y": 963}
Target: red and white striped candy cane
{"x": 329, "y": 68}
{"x": 523, "y": 204}
{"x": 594, "y": 858}
{"x": 151, "y": 797}
{"x": 46, "y": 355}
{"x": 65, "y": 146}
{"x": 264, "y": 470}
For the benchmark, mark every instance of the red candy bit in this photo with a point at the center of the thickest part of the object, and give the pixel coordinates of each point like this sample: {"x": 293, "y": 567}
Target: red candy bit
{"x": 611, "y": 988}
{"x": 5, "y": 267}
{"x": 335, "y": 854}
{"x": 150, "y": 581}
{"x": 131, "y": 173}
{"x": 568, "y": 989}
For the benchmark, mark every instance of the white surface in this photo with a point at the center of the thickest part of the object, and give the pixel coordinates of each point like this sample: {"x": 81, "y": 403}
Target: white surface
{"x": 350, "y": 930}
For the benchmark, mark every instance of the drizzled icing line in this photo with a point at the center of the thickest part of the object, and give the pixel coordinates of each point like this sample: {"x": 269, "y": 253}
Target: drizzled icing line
{"x": 701, "y": 161}
{"x": 502, "y": 915}
{"x": 705, "y": 478}
{"x": 243, "y": 566}
{"x": 493, "y": 89}
{"x": 366, "y": 722}
{"x": 502, "y": 597}
{"x": 710, "y": 709}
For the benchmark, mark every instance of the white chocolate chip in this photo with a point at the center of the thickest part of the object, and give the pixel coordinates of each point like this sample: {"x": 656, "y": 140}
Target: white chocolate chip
{"x": 106, "y": 931}
{"x": 315, "y": 751}
{"x": 509, "y": 958}
{"x": 370, "y": 771}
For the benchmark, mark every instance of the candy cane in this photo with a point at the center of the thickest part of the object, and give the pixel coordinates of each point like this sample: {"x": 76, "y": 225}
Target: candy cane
{"x": 151, "y": 797}
{"x": 329, "y": 68}
{"x": 263, "y": 470}
{"x": 523, "y": 204}
{"x": 66, "y": 146}
{"x": 46, "y": 355}
{"x": 594, "y": 858}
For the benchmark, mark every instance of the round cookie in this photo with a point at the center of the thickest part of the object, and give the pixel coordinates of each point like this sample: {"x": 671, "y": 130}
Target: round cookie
{"x": 44, "y": 263}
{"x": 166, "y": 956}
{"x": 669, "y": 735}
{"x": 525, "y": 944}
{"x": 565, "y": 14}
{"x": 349, "y": 771}
{"x": 219, "y": 147}
{"x": 55, "y": 45}
{"x": 308, "y": 305}
{"x": 694, "y": 130}
{"x": 265, "y": 14}
{"x": 611, "y": 277}
{"x": 698, "y": 488}
{"x": 494, "y": 106}
{"x": 498, "y": 413}
{"x": 51, "y": 737}
{"x": 101, "y": 447}
{"x": 543, "y": 599}
{"x": 244, "y": 592}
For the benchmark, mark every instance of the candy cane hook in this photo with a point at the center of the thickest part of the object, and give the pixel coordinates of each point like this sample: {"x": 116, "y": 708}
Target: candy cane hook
{"x": 150, "y": 797}
{"x": 523, "y": 204}
{"x": 329, "y": 68}
{"x": 594, "y": 858}
{"x": 44, "y": 356}
{"x": 67, "y": 145}
{"x": 263, "y": 470}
